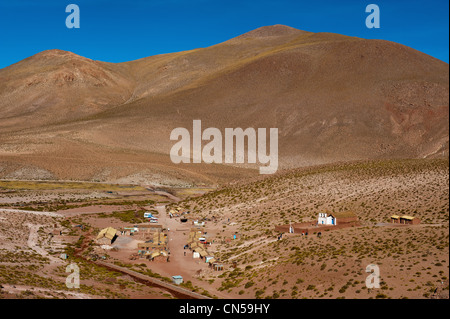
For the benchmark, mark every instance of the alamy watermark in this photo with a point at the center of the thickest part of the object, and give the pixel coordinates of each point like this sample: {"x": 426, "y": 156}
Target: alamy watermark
{"x": 373, "y": 280}
{"x": 373, "y": 19}
{"x": 213, "y": 151}
{"x": 73, "y": 19}
{"x": 73, "y": 280}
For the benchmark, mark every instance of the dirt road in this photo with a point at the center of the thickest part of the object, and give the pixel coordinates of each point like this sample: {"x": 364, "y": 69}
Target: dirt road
{"x": 180, "y": 264}
{"x": 33, "y": 244}
{"x": 173, "y": 289}
{"x": 50, "y": 214}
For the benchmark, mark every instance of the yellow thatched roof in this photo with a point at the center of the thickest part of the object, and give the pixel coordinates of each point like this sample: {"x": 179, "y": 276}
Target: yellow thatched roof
{"x": 395, "y": 216}
{"x": 101, "y": 233}
{"x": 155, "y": 254}
{"x": 195, "y": 234}
{"x": 407, "y": 217}
{"x": 202, "y": 252}
{"x": 108, "y": 232}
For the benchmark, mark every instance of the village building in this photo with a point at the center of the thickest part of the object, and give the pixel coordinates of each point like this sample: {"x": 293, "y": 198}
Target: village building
{"x": 198, "y": 223}
{"x": 395, "y": 219}
{"x": 202, "y": 253}
{"x": 325, "y": 219}
{"x": 107, "y": 236}
{"x": 217, "y": 266}
{"x": 152, "y": 241}
{"x": 334, "y": 218}
{"x": 177, "y": 280}
{"x": 197, "y": 242}
{"x": 405, "y": 220}
{"x": 143, "y": 232}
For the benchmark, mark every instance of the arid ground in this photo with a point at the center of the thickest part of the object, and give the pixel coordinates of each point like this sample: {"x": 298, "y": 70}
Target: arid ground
{"x": 413, "y": 260}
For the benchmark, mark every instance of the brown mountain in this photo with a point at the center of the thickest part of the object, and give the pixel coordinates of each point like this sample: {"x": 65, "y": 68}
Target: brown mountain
{"x": 333, "y": 98}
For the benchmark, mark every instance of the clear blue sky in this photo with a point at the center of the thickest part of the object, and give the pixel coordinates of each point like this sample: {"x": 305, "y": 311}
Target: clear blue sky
{"x": 118, "y": 30}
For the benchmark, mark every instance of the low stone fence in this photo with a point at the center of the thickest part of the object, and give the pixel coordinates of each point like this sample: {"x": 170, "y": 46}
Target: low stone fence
{"x": 312, "y": 228}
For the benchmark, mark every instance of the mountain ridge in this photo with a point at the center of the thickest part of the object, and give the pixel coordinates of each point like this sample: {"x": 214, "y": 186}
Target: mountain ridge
{"x": 333, "y": 98}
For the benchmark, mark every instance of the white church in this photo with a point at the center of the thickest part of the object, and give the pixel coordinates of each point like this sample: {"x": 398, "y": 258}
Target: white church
{"x": 325, "y": 219}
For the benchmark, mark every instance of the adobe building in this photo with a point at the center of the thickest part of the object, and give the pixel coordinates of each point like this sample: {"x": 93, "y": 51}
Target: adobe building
{"x": 405, "y": 220}
{"x": 106, "y": 236}
{"x": 395, "y": 219}
{"x": 345, "y": 217}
